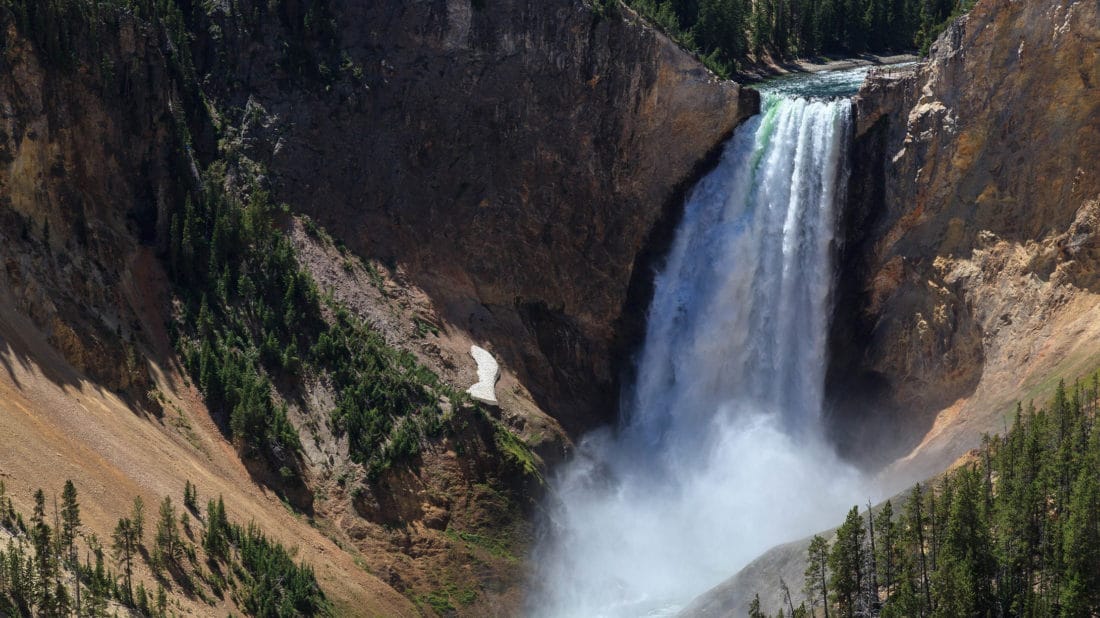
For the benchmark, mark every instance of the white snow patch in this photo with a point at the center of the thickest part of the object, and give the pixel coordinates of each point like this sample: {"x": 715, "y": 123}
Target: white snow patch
{"x": 488, "y": 371}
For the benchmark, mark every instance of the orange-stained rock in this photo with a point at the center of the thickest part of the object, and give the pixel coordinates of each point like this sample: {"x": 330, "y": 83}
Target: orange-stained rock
{"x": 971, "y": 265}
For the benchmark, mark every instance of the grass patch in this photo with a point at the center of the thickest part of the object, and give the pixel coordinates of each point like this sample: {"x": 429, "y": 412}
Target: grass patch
{"x": 448, "y": 598}
{"x": 516, "y": 451}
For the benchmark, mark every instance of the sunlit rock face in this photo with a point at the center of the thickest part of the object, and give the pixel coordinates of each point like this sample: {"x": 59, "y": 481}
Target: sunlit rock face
{"x": 971, "y": 255}
{"x": 86, "y": 171}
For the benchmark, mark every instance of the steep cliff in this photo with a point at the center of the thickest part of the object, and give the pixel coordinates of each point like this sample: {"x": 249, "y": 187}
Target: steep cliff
{"x": 510, "y": 169}
{"x": 519, "y": 160}
{"x": 970, "y": 268}
{"x": 968, "y": 273}
{"x": 84, "y": 175}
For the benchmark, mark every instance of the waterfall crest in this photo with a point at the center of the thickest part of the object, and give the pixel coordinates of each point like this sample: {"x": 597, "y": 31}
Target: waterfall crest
{"x": 719, "y": 454}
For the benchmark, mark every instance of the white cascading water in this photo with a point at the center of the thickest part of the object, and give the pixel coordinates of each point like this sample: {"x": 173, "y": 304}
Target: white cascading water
{"x": 719, "y": 455}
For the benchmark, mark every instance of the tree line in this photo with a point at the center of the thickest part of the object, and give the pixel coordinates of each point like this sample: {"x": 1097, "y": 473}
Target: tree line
{"x": 731, "y": 34}
{"x": 1015, "y": 531}
{"x": 53, "y": 568}
{"x": 251, "y": 318}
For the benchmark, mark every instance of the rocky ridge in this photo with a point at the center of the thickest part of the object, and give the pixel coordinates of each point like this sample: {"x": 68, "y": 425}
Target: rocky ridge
{"x": 970, "y": 264}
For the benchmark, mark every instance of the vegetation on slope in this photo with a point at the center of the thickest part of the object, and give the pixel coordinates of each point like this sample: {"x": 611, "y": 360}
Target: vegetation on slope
{"x": 729, "y": 33}
{"x": 252, "y": 319}
{"x": 42, "y": 572}
{"x": 1014, "y": 532}
{"x": 253, "y": 328}
{"x": 275, "y": 358}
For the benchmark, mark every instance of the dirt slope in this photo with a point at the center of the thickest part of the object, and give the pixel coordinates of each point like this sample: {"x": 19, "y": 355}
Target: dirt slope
{"x": 58, "y": 425}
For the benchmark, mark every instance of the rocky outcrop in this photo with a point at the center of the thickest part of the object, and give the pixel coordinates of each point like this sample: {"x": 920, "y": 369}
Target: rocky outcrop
{"x": 85, "y": 169}
{"x": 761, "y": 578}
{"x": 518, "y": 159}
{"x": 971, "y": 263}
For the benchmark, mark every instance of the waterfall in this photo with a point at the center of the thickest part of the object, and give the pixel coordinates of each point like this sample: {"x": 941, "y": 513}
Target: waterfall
{"x": 719, "y": 453}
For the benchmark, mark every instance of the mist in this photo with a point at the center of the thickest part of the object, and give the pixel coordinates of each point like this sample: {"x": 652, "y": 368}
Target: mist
{"x": 719, "y": 455}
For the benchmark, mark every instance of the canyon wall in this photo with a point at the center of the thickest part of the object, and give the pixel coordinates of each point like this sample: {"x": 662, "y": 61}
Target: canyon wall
{"x": 969, "y": 274}
{"x": 86, "y": 170}
{"x": 523, "y": 162}
{"x": 513, "y": 170}
{"x": 969, "y": 270}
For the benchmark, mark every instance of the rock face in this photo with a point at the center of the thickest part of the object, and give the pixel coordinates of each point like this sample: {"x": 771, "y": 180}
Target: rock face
{"x": 518, "y": 159}
{"x": 761, "y": 578}
{"x": 84, "y": 172}
{"x": 513, "y": 169}
{"x": 971, "y": 262}
{"x": 971, "y": 265}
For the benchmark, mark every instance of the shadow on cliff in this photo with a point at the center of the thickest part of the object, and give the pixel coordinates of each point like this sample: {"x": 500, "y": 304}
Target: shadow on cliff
{"x": 563, "y": 369}
{"x": 25, "y": 355}
{"x": 872, "y": 419}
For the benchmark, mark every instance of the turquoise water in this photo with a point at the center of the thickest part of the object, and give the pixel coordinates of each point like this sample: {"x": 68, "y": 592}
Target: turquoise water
{"x": 824, "y": 85}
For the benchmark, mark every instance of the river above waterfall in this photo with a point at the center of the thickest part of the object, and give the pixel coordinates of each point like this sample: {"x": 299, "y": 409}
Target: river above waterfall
{"x": 720, "y": 451}
{"x": 821, "y": 85}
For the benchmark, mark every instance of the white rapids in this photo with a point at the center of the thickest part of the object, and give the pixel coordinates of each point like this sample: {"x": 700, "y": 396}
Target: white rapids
{"x": 719, "y": 454}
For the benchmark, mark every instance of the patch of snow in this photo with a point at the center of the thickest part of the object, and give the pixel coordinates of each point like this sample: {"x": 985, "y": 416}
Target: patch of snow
{"x": 488, "y": 372}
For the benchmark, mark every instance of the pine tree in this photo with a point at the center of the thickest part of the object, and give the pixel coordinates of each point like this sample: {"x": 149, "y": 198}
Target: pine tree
{"x": 190, "y": 497}
{"x": 141, "y": 600}
{"x": 162, "y": 601}
{"x": 886, "y": 531}
{"x": 754, "y": 608}
{"x": 70, "y": 520}
{"x": 915, "y": 541}
{"x": 125, "y": 545}
{"x": 846, "y": 564}
{"x": 61, "y": 604}
{"x": 1081, "y": 593}
{"x": 870, "y": 603}
{"x": 99, "y": 587}
{"x": 216, "y": 535}
{"x": 42, "y": 539}
{"x": 137, "y": 519}
{"x": 167, "y": 538}
{"x": 817, "y": 574}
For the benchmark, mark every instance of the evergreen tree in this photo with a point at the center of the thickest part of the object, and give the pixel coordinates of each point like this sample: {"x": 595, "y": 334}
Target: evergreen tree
{"x": 70, "y": 520}
{"x": 846, "y": 564}
{"x": 1081, "y": 594}
{"x": 754, "y": 608}
{"x": 965, "y": 572}
{"x": 726, "y": 33}
{"x": 190, "y": 497}
{"x": 817, "y": 574}
{"x": 216, "y": 535}
{"x": 125, "y": 544}
{"x": 44, "y": 565}
{"x": 168, "y": 546}
{"x": 137, "y": 519}
{"x": 1014, "y": 532}
{"x": 887, "y": 548}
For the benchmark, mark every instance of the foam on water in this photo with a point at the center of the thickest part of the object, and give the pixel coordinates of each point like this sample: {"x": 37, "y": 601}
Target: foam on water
{"x": 719, "y": 454}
